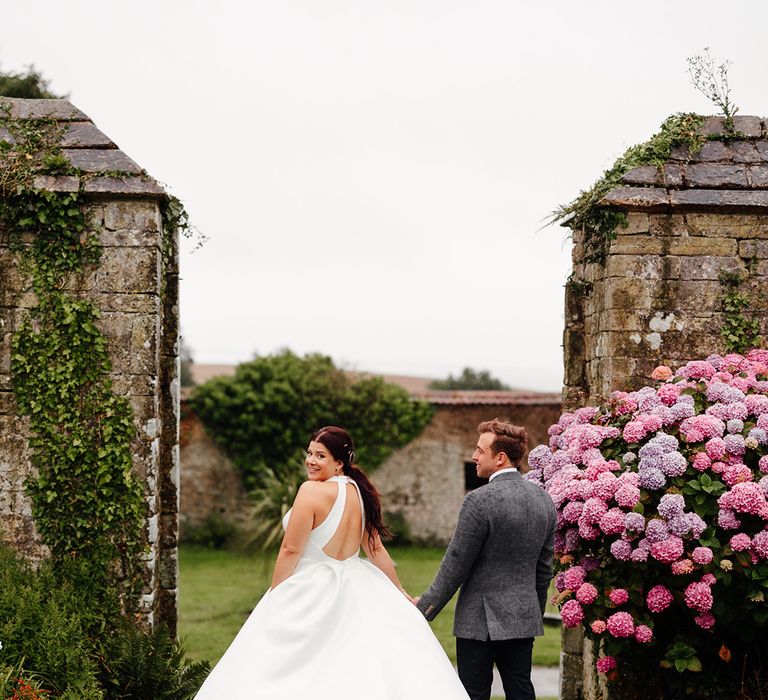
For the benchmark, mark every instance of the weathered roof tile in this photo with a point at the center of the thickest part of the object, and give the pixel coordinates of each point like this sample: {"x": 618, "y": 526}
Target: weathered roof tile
{"x": 751, "y": 127}
{"x": 86, "y": 148}
{"x": 744, "y": 152}
{"x": 60, "y": 110}
{"x": 85, "y": 135}
{"x": 716, "y": 175}
{"x": 720, "y": 199}
{"x": 101, "y": 160}
{"x": 726, "y": 172}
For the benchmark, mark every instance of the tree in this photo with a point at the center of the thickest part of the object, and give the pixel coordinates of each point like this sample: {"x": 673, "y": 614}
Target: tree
{"x": 29, "y": 83}
{"x": 263, "y": 415}
{"x": 470, "y": 379}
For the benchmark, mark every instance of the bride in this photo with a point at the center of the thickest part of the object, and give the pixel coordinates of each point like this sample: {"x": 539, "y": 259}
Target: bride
{"x": 334, "y": 626}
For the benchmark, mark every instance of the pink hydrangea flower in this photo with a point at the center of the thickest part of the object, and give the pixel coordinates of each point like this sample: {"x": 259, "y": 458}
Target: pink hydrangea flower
{"x": 701, "y": 461}
{"x": 706, "y": 620}
{"x": 697, "y": 369}
{"x": 682, "y": 567}
{"x": 574, "y": 577}
{"x": 698, "y": 596}
{"x": 605, "y": 664}
{"x": 668, "y": 393}
{"x": 658, "y": 599}
{"x": 627, "y": 495}
{"x": 620, "y": 624}
{"x": 634, "y": 431}
{"x": 598, "y": 626}
{"x": 667, "y": 550}
{"x": 760, "y": 544}
{"x": 740, "y": 542}
{"x": 709, "y": 579}
{"x": 763, "y": 464}
{"x": 702, "y": 555}
{"x": 587, "y": 594}
{"x": 744, "y": 497}
{"x": 715, "y": 448}
{"x": 572, "y": 614}
{"x": 643, "y": 634}
{"x": 619, "y": 596}
{"x": 737, "y": 474}
{"x": 594, "y": 509}
{"x": 661, "y": 373}
{"x": 612, "y": 523}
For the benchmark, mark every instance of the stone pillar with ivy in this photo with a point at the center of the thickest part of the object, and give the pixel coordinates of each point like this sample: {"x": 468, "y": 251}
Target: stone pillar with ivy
{"x": 670, "y": 264}
{"x": 88, "y": 357}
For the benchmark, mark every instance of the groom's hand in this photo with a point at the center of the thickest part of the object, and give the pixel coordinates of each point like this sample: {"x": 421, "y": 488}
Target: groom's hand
{"x": 416, "y": 600}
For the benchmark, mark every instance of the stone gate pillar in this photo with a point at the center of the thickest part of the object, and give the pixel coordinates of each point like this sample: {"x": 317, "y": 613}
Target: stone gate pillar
{"x": 693, "y": 224}
{"x": 135, "y": 289}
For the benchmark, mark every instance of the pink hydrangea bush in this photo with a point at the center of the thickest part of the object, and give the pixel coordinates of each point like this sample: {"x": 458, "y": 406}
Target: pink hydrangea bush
{"x": 662, "y": 496}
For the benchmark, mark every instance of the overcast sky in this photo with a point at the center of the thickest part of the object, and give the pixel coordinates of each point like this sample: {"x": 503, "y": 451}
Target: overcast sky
{"x": 372, "y": 175}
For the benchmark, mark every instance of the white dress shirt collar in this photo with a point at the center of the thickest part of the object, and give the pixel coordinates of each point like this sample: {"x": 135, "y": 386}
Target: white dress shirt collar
{"x": 502, "y": 471}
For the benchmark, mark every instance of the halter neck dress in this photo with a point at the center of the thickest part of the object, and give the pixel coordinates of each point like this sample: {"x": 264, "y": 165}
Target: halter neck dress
{"x": 334, "y": 630}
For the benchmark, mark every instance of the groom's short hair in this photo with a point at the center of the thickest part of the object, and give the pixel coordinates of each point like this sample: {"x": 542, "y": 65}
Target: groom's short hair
{"x": 510, "y": 439}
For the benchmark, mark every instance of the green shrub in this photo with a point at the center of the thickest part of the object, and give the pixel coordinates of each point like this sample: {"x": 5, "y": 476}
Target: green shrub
{"x": 55, "y": 636}
{"x": 213, "y": 532}
{"x": 401, "y": 531}
{"x": 40, "y": 628}
{"x": 152, "y": 666}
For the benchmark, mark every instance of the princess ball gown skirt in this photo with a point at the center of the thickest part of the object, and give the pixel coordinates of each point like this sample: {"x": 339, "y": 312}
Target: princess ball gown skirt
{"x": 334, "y": 630}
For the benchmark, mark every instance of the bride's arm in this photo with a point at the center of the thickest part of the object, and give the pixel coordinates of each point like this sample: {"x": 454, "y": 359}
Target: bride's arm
{"x": 379, "y": 556}
{"x": 296, "y": 534}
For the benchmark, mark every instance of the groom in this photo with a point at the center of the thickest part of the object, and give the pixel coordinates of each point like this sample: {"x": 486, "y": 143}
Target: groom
{"x": 501, "y": 557}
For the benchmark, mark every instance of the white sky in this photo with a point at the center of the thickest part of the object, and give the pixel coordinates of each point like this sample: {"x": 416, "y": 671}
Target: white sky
{"x": 372, "y": 175}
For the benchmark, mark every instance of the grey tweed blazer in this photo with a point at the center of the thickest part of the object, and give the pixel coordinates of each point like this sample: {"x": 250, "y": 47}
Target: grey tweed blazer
{"x": 501, "y": 557}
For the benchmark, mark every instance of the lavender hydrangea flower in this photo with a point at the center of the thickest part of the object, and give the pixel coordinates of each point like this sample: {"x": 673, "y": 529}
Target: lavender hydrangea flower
{"x": 652, "y": 479}
{"x": 540, "y": 457}
{"x": 760, "y": 435}
{"x": 735, "y": 425}
{"x": 656, "y": 531}
{"x": 696, "y": 524}
{"x": 674, "y": 464}
{"x": 679, "y": 525}
{"x": 671, "y": 505}
{"x": 635, "y": 522}
{"x": 683, "y": 410}
{"x": 631, "y": 457}
{"x": 734, "y": 444}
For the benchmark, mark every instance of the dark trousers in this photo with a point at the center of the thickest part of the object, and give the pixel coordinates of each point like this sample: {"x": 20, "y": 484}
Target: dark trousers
{"x": 512, "y": 657}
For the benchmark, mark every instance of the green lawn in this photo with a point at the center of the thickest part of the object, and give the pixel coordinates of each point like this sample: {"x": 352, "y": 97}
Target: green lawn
{"x": 219, "y": 589}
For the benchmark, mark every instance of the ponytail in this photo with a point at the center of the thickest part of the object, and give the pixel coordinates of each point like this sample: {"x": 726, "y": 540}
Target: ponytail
{"x": 341, "y": 447}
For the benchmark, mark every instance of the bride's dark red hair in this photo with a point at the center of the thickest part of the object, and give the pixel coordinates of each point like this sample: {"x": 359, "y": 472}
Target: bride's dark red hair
{"x": 340, "y": 445}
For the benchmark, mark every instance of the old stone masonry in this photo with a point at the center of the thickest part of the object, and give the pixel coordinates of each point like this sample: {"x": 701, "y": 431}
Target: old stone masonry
{"x": 135, "y": 289}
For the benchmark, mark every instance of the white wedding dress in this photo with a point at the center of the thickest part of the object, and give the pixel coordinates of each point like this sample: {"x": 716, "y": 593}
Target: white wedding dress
{"x": 334, "y": 630}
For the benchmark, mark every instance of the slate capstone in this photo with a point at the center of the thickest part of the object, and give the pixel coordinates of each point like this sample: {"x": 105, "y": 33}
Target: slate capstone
{"x": 110, "y": 171}
{"x": 729, "y": 174}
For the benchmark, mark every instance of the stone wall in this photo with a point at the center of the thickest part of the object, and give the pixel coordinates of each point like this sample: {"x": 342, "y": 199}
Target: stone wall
{"x": 425, "y": 479}
{"x": 210, "y": 484}
{"x": 138, "y": 301}
{"x": 656, "y": 300}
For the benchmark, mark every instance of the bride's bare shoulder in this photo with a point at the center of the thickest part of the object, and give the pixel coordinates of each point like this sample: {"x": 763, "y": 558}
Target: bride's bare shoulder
{"x": 312, "y": 490}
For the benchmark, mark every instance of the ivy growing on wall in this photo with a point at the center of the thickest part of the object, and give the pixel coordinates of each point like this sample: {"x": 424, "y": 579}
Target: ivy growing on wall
{"x": 740, "y": 330}
{"x": 86, "y": 503}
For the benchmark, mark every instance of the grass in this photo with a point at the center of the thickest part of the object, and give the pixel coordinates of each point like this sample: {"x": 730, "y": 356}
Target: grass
{"x": 219, "y": 589}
